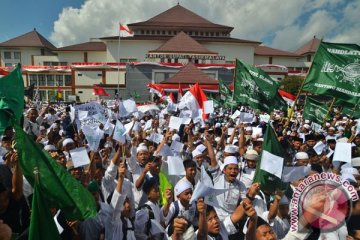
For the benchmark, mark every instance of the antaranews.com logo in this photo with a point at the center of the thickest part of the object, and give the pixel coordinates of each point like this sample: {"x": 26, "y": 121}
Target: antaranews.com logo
{"x": 322, "y": 201}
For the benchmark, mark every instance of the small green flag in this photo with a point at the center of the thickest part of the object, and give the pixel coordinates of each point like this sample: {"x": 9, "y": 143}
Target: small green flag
{"x": 61, "y": 190}
{"x": 164, "y": 184}
{"x": 335, "y": 72}
{"x": 11, "y": 98}
{"x": 314, "y": 111}
{"x": 42, "y": 224}
{"x": 269, "y": 169}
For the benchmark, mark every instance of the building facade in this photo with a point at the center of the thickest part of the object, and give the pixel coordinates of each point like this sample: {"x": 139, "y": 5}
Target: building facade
{"x": 159, "y": 48}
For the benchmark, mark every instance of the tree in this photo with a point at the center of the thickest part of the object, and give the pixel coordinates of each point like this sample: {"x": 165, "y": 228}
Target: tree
{"x": 291, "y": 84}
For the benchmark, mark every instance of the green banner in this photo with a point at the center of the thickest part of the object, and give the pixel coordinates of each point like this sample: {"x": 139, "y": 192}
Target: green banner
{"x": 314, "y": 110}
{"x": 335, "y": 72}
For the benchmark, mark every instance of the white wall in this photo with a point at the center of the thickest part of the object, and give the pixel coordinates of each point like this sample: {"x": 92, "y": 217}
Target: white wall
{"x": 88, "y": 77}
{"x": 231, "y": 51}
{"x": 26, "y": 54}
{"x": 112, "y": 77}
{"x": 131, "y": 49}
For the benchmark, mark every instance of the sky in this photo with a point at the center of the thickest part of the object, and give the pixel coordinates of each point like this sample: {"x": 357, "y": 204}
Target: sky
{"x": 281, "y": 24}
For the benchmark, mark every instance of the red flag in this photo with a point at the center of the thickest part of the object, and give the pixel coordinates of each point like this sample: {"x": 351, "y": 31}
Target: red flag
{"x": 171, "y": 96}
{"x": 200, "y": 97}
{"x": 154, "y": 88}
{"x": 99, "y": 91}
{"x": 288, "y": 97}
{"x": 125, "y": 31}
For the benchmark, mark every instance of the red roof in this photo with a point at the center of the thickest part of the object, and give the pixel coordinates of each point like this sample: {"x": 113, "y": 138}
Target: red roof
{"x": 182, "y": 43}
{"x": 30, "y": 39}
{"x": 267, "y": 51}
{"x": 309, "y": 47}
{"x": 87, "y": 46}
{"x": 179, "y": 16}
{"x": 190, "y": 74}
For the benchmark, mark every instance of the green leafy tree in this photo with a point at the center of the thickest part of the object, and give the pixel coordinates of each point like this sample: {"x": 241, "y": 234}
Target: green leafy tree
{"x": 291, "y": 84}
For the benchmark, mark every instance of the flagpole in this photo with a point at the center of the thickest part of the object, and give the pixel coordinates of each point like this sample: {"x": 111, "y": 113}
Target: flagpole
{"x": 118, "y": 60}
{"x": 234, "y": 79}
{"x": 329, "y": 110}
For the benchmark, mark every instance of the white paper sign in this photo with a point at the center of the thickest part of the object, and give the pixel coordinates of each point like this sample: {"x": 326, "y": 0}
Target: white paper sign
{"x": 175, "y": 122}
{"x": 208, "y": 106}
{"x": 230, "y": 131}
{"x": 119, "y": 132}
{"x": 175, "y": 166}
{"x": 165, "y": 151}
{"x": 256, "y": 132}
{"x": 291, "y": 174}
{"x": 264, "y": 118}
{"x": 82, "y": 114}
{"x": 93, "y": 137}
{"x": 128, "y": 126}
{"x": 156, "y": 137}
{"x": 92, "y": 108}
{"x": 148, "y": 124}
{"x": 109, "y": 127}
{"x": 130, "y": 105}
{"x": 72, "y": 113}
{"x": 80, "y": 157}
{"x": 186, "y": 120}
{"x": 246, "y": 117}
{"x": 177, "y": 146}
{"x": 342, "y": 152}
{"x": 319, "y": 147}
{"x": 235, "y": 114}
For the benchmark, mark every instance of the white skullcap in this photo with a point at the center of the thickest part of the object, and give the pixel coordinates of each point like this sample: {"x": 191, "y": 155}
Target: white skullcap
{"x": 142, "y": 121}
{"x": 301, "y": 156}
{"x": 307, "y": 126}
{"x": 231, "y": 149}
{"x": 284, "y": 200}
{"x": 355, "y": 162}
{"x": 331, "y": 128}
{"x": 230, "y": 160}
{"x": 67, "y": 141}
{"x": 196, "y": 153}
{"x": 349, "y": 177}
{"x": 50, "y": 148}
{"x": 350, "y": 170}
{"x": 328, "y": 124}
{"x": 251, "y": 155}
{"x": 217, "y": 125}
{"x": 142, "y": 148}
{"x": 181, "y": 186}
{"x": 342, "y": 140}
{"x": 201, "y": 147}
{"x": 61, "y": 132}
{"x": 217, "y": 139}
{"x": 260, "y": 140}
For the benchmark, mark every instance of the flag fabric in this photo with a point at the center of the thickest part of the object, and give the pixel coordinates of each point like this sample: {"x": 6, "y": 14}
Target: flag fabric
{"x": 61, "y": 190}
{"x": 125, "y": 31}
{"x": 269, "y": 169}
{"x": 252, "y": 86}
{"x": 351, "y": 111}
{"x": 164, "y": 184}
{"x": 11, "y": 98}
{"x": 42, "y": 224}
{"x": 314, "y": 110}
{"x": 172, "y": 98}
{"x": 99, "y": 91}
{"x": 194, "y": 99}
{"x": 59, "y": 93}
{"x": 288, "y": 97}
{"x": 335, "y": 71}
{"x": 153, "y": 88}
{"x": 3, "y": 73}
{"x": 180, "y": 93}
{"x": 225, "y": 92}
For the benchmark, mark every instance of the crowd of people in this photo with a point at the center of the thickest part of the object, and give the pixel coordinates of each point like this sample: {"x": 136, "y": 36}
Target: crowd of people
{"x": 138, "y": 198}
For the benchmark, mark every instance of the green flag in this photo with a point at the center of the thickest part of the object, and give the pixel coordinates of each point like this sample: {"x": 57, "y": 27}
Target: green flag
{"x": 314, "y": 110}
{"x": 62, "y": 191}
{"x": 335, "y": 72}
{"x": 11, "y": 98}
{"x": 42, "y": 224}
{"x": 164, "y": 184}
{"x": 225, "y": 92}
{"x": 255, "y": 88}
{"x": 269, "y": 169}
{"x": 348, "y": 108}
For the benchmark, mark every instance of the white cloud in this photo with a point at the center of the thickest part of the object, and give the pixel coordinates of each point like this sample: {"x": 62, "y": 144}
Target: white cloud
{"x": 252, "y": 20}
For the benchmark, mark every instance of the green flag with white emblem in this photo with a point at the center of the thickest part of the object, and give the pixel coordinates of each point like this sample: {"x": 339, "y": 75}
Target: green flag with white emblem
{"x": 335, "y": 72}
{"x": 269, "y": 168}
{"x": 314, "y": 110}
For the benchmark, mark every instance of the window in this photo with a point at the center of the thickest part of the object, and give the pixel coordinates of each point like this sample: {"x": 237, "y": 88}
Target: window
{"x": 176, "y": 60}
{"x": 79, "y": 74}
{"x": 59, "y": 80}
{"x": 123, "y": 60}
{"x": 270, "y": 60}
{"x": 163, "y": 32}
{"x": 17, "y": 55}
{"x": 33, "y": 79}
{"x": 63, "y": 64}
{"x": 8, "y": 64}
{"x": 217, "y": 34}
{"x": 153, "y": 32}
{"x": 142, "y": 32}
{"x": 68, "y": 80}
{"x": 99, "y": 74}
{"x": 50, "y": 80}
{"x": 309, "y": 58}
{"x": 158, "y": 32}
{"x": 7, "y": 55}
{"x": 147, "y": 32}
{"x": 169, "y": 60}
{"x": 42, "y": 81}
{"x": 42, "y": 95}
{"x": 196, "y": 33}
{"x": 67, "y": 94}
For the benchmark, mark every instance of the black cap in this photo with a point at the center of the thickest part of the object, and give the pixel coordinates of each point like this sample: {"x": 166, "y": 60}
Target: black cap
{"x": 309, "y": 137}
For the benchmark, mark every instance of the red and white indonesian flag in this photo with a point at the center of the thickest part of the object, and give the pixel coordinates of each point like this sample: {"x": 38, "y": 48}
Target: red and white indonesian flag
{"x": 194, "y": 99}
{"x": 3, "y": 73}
{"x": 99, "y": 91}
{"x": 153, "y": 88}
{"x": 288, "y": 97}
{"x": 125, "y": 31}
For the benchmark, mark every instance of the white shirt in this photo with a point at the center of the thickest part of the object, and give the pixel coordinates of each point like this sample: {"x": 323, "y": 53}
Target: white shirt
{"x": 279, "y": 225}
{"x": 229, "y": 200}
